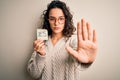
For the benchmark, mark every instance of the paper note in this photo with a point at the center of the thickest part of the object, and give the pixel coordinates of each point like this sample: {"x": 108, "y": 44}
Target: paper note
{"x": 42, "y": 34}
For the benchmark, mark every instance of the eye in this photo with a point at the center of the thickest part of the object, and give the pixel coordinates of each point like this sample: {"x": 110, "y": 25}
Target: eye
{"x": 62, "y": 18}
{"x": 52, "y": 19}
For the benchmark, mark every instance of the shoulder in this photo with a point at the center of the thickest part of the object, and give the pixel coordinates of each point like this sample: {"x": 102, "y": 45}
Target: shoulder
{"x": 73, "y": 41}
{"x": 73, "y": 38}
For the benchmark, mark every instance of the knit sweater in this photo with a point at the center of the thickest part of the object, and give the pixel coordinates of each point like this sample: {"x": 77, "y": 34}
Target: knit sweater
{"x": 57, "y": 64}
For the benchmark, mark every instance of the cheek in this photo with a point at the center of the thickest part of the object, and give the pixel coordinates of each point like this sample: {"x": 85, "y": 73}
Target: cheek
{"x": 51, "y": 26}
{"x": 63, "y": 26}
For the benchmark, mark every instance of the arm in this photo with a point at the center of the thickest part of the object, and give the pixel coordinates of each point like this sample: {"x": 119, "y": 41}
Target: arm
{"x": 36, "y": 65}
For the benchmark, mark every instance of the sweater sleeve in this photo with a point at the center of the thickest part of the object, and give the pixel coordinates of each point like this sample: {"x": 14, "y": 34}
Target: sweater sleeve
{"x": 36, "y": 65}
{"x": 73, "y": 43}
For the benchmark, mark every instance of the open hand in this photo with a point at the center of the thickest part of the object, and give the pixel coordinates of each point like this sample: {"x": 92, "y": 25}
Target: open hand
{"x": 87, "y": 43}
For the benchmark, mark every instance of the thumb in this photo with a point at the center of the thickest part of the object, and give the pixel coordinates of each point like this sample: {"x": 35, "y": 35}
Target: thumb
{"x": 71, "y": 50}
{"x": 68, "y": 48}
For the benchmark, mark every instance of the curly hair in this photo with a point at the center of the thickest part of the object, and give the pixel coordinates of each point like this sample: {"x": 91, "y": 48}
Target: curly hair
{"x": 69, "y": 27}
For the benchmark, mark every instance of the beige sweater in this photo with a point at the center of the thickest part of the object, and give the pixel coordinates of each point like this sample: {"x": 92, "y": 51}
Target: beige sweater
{"x": 57, "y": 64}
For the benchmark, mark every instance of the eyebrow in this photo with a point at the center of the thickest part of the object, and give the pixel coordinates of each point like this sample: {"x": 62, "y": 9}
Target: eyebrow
{"x": 55, "y": 17}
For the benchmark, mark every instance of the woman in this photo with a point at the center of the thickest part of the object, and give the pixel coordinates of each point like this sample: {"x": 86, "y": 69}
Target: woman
{"x": 63, "y": 54}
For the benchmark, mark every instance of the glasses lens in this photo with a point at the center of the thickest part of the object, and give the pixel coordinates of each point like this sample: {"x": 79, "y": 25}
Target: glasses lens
{"x": 61, "y": 20}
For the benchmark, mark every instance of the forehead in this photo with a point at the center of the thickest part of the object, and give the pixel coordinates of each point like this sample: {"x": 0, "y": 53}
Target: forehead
{"x": 56, "y": 12}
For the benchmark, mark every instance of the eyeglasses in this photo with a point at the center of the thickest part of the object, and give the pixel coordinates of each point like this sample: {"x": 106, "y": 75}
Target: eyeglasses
{"x": 60, "y": 20}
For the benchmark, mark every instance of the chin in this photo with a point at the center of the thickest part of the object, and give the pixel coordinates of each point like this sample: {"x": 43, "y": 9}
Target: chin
{"x": 57, "y": 32}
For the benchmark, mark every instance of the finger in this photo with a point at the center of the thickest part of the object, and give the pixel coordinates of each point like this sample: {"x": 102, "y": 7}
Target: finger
{"x": 43, "y": 46}
{"x": 72, "y": 52}
{"x": 37, "y": 41}
{"x": 89, "y": 31}
{"x": 39, "y": 46}
{"x": 84, "y": 30}
{"x": 94, "y": 36}
{"x": 79, "y": 32}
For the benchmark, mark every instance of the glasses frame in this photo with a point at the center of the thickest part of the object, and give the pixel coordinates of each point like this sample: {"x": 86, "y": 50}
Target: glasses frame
{"x": 60, "y": 20}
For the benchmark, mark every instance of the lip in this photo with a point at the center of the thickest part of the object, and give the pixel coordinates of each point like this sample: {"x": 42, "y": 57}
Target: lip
{"x": 56, "y": 28}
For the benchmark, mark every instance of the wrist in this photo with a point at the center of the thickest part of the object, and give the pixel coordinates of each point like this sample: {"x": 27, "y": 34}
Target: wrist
{"x": 42, "y": 53}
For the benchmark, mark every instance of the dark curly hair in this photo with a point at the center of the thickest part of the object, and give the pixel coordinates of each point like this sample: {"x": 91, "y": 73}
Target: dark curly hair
{"x": 68, "y": 28}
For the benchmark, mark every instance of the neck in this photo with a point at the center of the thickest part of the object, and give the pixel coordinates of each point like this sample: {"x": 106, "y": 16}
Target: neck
{"x": 57, "y": 36}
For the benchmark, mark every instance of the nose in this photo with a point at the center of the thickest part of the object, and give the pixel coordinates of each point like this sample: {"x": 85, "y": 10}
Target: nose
{"x": 56, "y": 22}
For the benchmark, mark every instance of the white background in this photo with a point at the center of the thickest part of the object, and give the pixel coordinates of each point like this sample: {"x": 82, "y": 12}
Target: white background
{"x": 18, "y": 23}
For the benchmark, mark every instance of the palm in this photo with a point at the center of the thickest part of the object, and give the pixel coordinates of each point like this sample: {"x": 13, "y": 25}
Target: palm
{"x": 87, "y": 44}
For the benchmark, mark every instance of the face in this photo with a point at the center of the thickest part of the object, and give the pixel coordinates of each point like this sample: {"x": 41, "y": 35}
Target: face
{"x": 56, "y": 20}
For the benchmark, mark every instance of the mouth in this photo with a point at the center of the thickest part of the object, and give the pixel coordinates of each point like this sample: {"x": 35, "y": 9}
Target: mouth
{"x": 56, "y": 28}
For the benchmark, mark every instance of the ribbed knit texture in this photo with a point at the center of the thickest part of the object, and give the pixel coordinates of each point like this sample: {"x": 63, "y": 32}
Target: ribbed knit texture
{"x": 57, "y": 64}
